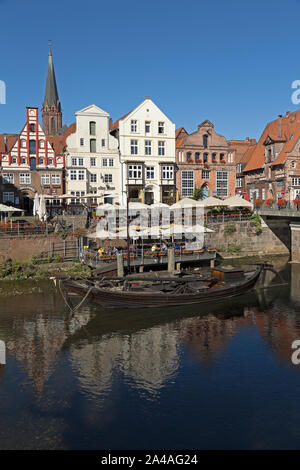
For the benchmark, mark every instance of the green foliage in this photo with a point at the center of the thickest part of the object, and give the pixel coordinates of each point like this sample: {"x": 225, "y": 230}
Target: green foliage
{"x": 197, "y": 194}
{"x": 255, "y": 220}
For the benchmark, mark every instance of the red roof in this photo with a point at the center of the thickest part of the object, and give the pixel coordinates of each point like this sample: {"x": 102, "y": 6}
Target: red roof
{"x": 115, "y": 125}
{"x": 285, "y": 129}
{"x": 10, "y": 141}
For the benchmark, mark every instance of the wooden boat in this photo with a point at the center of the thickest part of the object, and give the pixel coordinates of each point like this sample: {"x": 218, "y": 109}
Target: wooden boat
{"x": 159, "y": 292}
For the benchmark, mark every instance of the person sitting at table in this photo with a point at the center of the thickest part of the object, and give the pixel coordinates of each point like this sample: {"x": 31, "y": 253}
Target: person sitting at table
{"x": 164, "y": 247}
{"x": 100, "y": 252}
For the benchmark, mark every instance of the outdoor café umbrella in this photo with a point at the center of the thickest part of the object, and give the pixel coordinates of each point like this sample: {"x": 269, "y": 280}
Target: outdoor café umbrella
{"x": 185, "y": 203}
{"x": 42, "y": 209}
{"x": 36, "y": 204}
{"x": 213, "y": 202}
{"x": 238, "y": 201}
{"x": 102, "y": 234}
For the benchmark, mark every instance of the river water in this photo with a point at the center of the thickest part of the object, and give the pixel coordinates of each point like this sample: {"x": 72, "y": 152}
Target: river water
{"x": 203, "y": 377}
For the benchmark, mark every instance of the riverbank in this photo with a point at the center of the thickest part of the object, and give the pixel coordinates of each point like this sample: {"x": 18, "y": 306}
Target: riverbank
{"x": 20, "y": 271}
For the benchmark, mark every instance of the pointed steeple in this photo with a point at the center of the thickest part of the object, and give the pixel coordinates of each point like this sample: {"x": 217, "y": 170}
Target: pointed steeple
{"x": 51, "y": 94}
{"x": 52, "y": 116}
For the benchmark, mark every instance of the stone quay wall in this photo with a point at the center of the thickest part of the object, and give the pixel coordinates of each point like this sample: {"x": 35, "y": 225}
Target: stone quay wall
{"x": 241, "y": 237}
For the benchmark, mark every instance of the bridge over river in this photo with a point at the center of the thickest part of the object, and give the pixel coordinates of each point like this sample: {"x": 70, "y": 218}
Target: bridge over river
{"x": 285, "y": 223}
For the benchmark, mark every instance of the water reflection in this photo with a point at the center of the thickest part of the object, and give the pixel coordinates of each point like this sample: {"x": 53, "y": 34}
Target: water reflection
{"x": 96, "y": 363}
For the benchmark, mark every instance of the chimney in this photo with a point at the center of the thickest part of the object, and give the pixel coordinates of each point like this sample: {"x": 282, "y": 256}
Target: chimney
{"x": 288, "y": 113}
{"x": 279, "y": 125}
{"x": 247, "y": 139}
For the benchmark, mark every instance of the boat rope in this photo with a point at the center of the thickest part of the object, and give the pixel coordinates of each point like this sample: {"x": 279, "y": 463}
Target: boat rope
{"x": 73, "y": 309}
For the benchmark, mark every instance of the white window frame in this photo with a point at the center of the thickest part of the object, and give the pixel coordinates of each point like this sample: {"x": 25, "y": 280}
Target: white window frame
{"x": 25, "y": 178}
{"x": 150, "y": 172}
{"x": 187, "y": 183}
{"x": 134, "y": 147}
{"x": 168, "y": 172}
{"x": 55, "y": 179}
{"x": 8, "y": 178}
{"x": 45, "y": 179}
{"x": 148, "y": 147}
{"x": 161, "y": 147}
{"x": 135, "y": 172}
{"x": 133, "y": 126}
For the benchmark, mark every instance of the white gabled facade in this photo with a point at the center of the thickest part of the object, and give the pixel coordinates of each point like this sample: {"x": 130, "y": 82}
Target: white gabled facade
{"x": 147, "y": 153}
{"x": 92, "y": 159}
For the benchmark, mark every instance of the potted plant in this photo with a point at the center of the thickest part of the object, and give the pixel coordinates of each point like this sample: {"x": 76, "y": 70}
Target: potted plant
{"x": 269, "y": 202}
{"x": 258, "y": 202}
{"x": 281, "y": 203}
{"x": 206, "y": 165}
{"x": 296, "y": 202}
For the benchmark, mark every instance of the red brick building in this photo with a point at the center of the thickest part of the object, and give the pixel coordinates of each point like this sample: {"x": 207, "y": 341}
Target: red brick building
{"x": 273, "y": 170}
{"x": 205, "y": 160}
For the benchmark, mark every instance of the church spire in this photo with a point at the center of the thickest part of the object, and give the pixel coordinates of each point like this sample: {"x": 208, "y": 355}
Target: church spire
{"x": 51, "y": 111}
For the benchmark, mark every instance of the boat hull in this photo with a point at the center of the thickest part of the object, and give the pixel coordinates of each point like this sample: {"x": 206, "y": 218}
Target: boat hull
{"x": 131, "y": 299}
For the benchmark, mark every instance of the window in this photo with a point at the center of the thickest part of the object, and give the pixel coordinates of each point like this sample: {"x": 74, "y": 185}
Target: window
{"x": 108, "y": 162}
{"x": 23, "y": 143}
{"x": 133, "y": 147}
{"x": 41, "y": 161}
{"x": 239, "y": 182}
{"x": 77, "y": 161}
{"x": 197, "y": 156}
{"x": 222, "y": 183}
{"x": 78, "y": 194}
{"x": 32, "y": 147}
{"x": 187, "y": 183}
{"x": 293, "y": 164}
{"x": 205, "y": 141}
{"x": 103, "y": 142}
{"x": 239, "y": 168}
{"x": 8, "y": 178}
{"x": 147, "y": 147}
{"x": 150, "y": 172}
{"x": 161, "y": 147}
{"x": 45, "y": 179}
{"x": 81, "y": 142}
{"x": 161, "y": 127}
{"x": 41, "y": 144}
{"x": 188, "y": 156}
{"x": 31, "y": 127}
{"x": 23, "y": 160}
{"x": 92, "y": 128}
{"x": 92, "y": 161}
{"x": 108, "y": 178}
{"x": 73, "y": 175}
{"x": 93, "y": 178}
{"x": 205, "y": 158}
{"x": 205, "y": 174}
{"x": 214, "y": 157}
{"x": 93, "y": 145}
{"x": 135, "y": 171}
{"x": 133, "y": 125}
{"x": 295, "y": 181}
{"x": 77, "y": 175}
{"x": 50, "y": 161}
{"x": 147, "y": 127}
{"x": 25, "y": 178}
{"x": 81, "y": 174}
{"x": 8, "y": 197}
{"x": 222, "y": 157}
{"x": 14, "y": 160}
{"x": 33, "y": 163}
{"x": 167, "y": 172}
{"x": 55, "y": 179}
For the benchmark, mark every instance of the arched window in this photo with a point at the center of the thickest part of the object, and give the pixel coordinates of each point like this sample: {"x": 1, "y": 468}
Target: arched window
{"x": 188, "y": 156}
{"x": 197, "y": 156}
{"x": 205, "y": 158}
{"x": 214, "y": 157}
{"x": 205, "y": 141}
{"x": 93, "y": 145}
{"x": 32, "y": 147}
{"x": 222, "y": 157}
{"x": 92, "y": 128}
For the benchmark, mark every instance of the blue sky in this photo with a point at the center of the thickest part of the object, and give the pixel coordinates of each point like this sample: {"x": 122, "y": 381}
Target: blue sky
{"x": 230, "y": 62}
